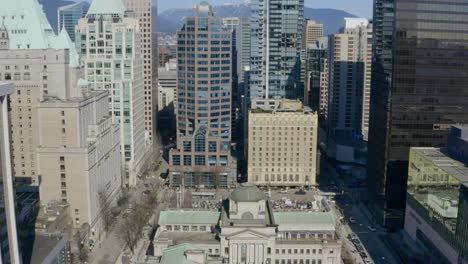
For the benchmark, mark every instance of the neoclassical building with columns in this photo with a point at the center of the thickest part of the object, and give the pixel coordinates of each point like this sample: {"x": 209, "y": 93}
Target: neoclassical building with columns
{"x": 247, "y": 231}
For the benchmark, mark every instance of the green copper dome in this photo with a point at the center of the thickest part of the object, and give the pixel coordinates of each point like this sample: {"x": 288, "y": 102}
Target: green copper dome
{"x": 247, "y": 192}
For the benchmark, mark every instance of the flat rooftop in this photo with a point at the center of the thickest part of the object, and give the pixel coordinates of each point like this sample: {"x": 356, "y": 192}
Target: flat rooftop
{"x": 45, "y": 246}
{"x": 187, "y": 237}
{"x": 279, "y": 106}
{"x": 444, "y": 162}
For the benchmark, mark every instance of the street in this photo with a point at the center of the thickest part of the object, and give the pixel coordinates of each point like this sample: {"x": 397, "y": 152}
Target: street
{"x": 352, "y": 208}
{"x": 112, "y": 246}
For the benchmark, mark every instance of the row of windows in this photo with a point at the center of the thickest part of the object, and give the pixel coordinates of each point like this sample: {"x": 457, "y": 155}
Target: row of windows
{"x": 200, "y": 160}
{"x": 284, "y": 178}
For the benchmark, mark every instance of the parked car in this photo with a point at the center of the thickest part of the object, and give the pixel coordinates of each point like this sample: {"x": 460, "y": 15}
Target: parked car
{"x": 372, "y": 229}
{"x": 352, "y": 220}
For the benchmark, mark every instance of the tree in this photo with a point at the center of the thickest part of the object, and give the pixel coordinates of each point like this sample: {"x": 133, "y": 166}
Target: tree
{"x": 132, "y": 227}
{"x": 129, "y": 233}
{"x": 83, "y": 254}
{"x": 106, "y": 213}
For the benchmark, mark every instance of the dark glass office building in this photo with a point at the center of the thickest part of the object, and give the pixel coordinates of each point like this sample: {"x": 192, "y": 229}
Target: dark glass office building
{"x": 419, "y": 88}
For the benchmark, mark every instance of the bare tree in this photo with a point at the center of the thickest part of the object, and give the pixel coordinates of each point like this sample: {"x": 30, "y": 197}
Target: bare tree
{"x": 83, "y": 254}
{"x": 129, "y": 233}
{"x": 132, "y": 228}
{"x": 106, "y": 213}
{"x": 123, "y": 198}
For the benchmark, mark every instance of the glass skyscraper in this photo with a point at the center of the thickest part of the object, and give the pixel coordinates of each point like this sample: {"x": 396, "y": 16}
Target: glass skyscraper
{"x": 419, "y": 76}
{"x": 204, "y": 87}
{"x": 277, "y": 27}
{"x": 69, "y": 15}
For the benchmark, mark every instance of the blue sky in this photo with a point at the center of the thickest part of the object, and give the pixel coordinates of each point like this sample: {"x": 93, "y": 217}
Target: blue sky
{"x": 357, "y": 7}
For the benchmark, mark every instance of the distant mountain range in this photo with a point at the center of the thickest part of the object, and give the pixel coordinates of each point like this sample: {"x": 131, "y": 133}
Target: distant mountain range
{"x": 172, "y": 20}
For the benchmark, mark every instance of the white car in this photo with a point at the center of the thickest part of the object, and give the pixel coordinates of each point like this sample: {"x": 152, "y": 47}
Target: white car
{"x": 372, "y": 229}
{"x": 352, "y": 220}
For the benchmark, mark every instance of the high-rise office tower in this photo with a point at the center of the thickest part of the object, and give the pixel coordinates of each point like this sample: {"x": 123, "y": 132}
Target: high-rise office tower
{"x": 39, "y": 63}
{"x": 276, "y": 49}
{"x": 69, "y": 15}
{"x": 9, "y": 249}
{"x": 143, "y": 12}
{"x": 316, "y": 72}
{"x": 312, "y": 32}
{"x": 242, "y": 38}
{"x": 109, "y": 45}
{"x": 419, "y": 77}
{"x": 204, "y": 61}
{"x": 349, "y": 80}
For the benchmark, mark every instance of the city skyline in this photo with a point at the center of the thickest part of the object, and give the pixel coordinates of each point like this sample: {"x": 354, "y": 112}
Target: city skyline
{"x": 360, "y": 8}
{"x": 234, "y": 131}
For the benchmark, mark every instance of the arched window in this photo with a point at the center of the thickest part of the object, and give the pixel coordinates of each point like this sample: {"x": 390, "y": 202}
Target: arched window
{"x": 200, "y": 140}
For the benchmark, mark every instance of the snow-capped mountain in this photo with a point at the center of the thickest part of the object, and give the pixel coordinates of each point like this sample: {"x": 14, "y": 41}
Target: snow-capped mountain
{"x": 172, "y": 19}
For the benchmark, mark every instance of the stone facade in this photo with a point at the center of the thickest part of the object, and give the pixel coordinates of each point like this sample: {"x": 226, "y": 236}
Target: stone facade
{"x": 248, "y": 231}
{"x": 282, "y": 144}
{"x": 79, "y": 156}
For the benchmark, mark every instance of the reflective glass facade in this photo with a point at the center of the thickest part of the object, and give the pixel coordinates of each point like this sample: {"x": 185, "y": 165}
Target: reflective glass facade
{"x": 204, "y": 89}
{"x": 438, "y": 196}
{"x": 420, "y": 71}
{"x": 275, "y": 57}
{"x": 69, "y": 15}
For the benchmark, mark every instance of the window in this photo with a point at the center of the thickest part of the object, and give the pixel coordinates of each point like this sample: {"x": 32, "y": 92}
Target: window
{"x": 62, "y": 159}
{"x": 268, "y": 250}
{"x": 187, "y": 160}
{"x": 187, "y": 146}
{"x": 176, "y": 160}
{"x": 200, "y": 142}
{"x": 212, "y": 146}
{"x": 200, "y": 160}
{"x": 212, "y": 160}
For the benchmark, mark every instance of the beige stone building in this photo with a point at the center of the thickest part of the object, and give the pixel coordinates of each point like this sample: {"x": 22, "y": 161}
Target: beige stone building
{"x": 282, "y": 144}
{"x": 350, "y": 60}
{"x": 79, "y": 155}
{"x": 248, "y": 230}
{"x": 46, "y": 68}
{"x": 311, "y": 33}
{"x": 143, "y": 12}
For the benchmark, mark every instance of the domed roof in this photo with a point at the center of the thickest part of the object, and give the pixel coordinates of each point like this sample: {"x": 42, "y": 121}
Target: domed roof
{"x": 247, "y": 192}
